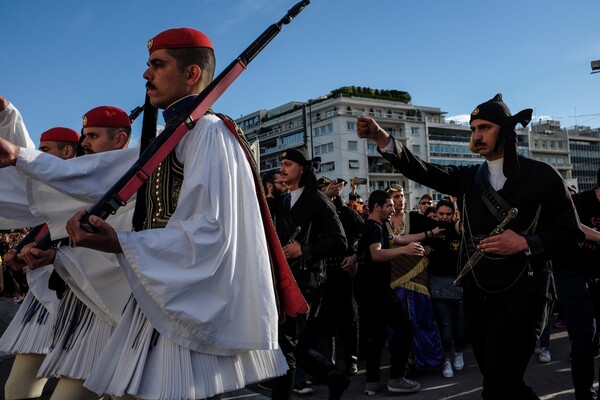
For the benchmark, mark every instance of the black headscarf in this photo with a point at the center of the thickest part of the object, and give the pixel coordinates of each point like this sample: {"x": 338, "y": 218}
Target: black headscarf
{"x": 300, "y": 156}
{"x": 496, "y": 111}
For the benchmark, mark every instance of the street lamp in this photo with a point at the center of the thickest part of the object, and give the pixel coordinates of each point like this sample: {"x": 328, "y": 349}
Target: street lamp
{"x": 307, "y": 122}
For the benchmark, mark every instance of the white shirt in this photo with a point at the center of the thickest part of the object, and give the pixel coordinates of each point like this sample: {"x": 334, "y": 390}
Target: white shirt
{"x": 497, "y": 178}
{"x": 295, "y": 195}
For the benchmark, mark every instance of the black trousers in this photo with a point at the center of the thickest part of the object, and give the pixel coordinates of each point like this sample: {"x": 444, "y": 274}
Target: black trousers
{"x": 576, "y": 296}
{"x": 503, "y": 329}
{"x": 296, "y": 339}
{"x": 339, "y": 313}
{"x": 379, "y": 318}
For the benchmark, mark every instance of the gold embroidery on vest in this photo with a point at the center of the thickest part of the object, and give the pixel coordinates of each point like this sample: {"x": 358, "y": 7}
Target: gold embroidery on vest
{"x": 162, "y": 192}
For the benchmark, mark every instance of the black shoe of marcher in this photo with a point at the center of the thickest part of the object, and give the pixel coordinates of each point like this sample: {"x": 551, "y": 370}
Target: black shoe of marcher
{"x": 352, "y": 369}
{"x": 338, "y": 382}
{"x": 302, "y": 388}
{"x": 351, "y": 365}
{"x": 266, "y": 385}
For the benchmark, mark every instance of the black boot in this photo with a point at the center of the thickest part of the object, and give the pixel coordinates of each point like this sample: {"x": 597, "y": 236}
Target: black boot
{"x": 352, "y": 365}
{"x": 338, "y": 382}
{"x": 282, "y": 386}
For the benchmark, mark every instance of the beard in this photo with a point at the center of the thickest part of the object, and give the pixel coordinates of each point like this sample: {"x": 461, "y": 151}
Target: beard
{"x": 277, "y": 193}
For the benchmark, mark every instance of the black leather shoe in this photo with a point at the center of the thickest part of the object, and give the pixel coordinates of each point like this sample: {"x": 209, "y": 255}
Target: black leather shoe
{"x": 352, "y": 369}
{"x": 338, "y": 382}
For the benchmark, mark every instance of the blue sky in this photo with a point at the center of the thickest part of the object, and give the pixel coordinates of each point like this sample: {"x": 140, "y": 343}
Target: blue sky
{"x": 59, "y": 59}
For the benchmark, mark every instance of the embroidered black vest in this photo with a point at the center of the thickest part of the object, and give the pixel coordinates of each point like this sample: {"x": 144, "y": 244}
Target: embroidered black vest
{"x": 162, "y": 192}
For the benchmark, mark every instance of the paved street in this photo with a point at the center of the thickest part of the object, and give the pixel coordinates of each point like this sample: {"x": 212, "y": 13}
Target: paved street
{"x": 550, "y": 381}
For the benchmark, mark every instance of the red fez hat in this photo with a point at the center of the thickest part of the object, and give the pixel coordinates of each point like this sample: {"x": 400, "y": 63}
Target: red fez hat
{"x": 106, "y": 117}
{"x": 178, "y": 38}
{"x": 60, "y": 134}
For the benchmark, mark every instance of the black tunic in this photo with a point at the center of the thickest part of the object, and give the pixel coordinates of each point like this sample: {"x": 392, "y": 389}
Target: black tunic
{"x": 321, "y": 234}
{"x": 537, "y": 185}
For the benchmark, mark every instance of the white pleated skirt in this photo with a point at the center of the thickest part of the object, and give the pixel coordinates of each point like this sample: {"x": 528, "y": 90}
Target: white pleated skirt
{"x": 141, "y": 363}
{"x": 29, "y": 332}
{"x": 78, "y": 339}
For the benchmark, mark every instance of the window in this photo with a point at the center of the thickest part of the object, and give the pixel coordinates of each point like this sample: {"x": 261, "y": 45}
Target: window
{"x": 372, "y": 149}
{"x": 416, "y": 148}
{"x": 249, "y": 123}
{"x": 352, "y": 145}
{"x": 351, "y": 125}
{"x": 324, "y": 130}
{"x": 328, "y": 166}
{"x": 291, "y": 140}
{"x": 324, "y": 148}
{"x": 414, "y": 130}
{"x": 353, "y": 164}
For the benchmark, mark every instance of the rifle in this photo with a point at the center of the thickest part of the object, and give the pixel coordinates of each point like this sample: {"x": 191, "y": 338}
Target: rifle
{"x": 118, "y": 195}
{"x": 40, "y": 234}
{"x": 291, "y": 301}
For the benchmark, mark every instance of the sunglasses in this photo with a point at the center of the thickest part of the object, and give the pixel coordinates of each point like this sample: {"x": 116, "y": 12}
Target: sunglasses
{"x": 426, "y": 202}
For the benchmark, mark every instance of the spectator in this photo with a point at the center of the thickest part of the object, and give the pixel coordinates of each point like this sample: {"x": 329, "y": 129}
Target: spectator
{"x": 274, "y": 189}
{"x": 446, "y": 298}
{"x": 380, "y": 308}
{"x": 410, "y": 281}
{"x": 431, "y": 213}
{"x": 576, "y": 289}
{"x": 424, "y": 201}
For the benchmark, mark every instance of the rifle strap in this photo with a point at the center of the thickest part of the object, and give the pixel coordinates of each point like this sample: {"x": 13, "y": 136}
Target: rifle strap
{"x": 146, "y": 170}
{"x": 491, "y": 198}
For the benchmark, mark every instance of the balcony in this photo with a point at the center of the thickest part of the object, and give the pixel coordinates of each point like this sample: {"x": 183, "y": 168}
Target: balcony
{"x": 381, "y": 167}
{"x": 395, "y": 117}
{"x": 264, "y": 151}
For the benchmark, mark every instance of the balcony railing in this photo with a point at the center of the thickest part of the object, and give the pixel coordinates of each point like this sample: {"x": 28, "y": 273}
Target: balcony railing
{"x": 279, "y": 147}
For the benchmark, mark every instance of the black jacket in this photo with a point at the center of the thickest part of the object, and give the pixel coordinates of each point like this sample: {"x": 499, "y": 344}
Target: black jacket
{"x": 538, "y": 185}
{"x": 321, "y": 235}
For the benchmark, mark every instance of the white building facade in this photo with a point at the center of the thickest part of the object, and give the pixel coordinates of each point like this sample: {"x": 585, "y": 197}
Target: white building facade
{"x": 327, "y": 127}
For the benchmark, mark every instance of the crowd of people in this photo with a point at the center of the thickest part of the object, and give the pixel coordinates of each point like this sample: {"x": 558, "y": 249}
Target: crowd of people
{"x": 12, "y": 282}
{"x": 212, "y": 280}
{"x": 421, "y": 272}
{"x": 477, "y": 268}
